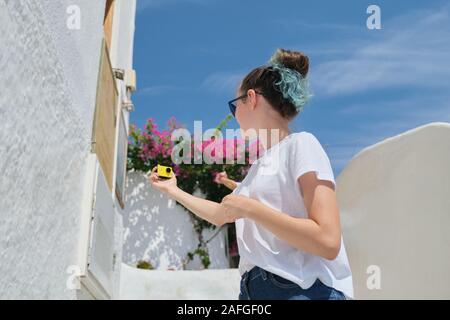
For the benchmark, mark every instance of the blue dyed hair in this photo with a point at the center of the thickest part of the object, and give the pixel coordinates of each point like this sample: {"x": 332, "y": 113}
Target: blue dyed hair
{"x": 283, "y": 82}
{"x": 293, "y": 86}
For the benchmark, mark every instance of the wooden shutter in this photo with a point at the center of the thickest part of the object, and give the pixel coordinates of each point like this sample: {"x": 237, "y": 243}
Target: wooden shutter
{"x": 108, "y": 21}
{"x": 105, "y": 117}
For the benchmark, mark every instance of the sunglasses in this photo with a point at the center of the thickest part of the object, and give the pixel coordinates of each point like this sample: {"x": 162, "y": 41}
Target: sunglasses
{"x": 233, "y": 106}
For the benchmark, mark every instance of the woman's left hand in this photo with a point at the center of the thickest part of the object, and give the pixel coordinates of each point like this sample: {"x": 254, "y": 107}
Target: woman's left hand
{"x": 237, "y": 207}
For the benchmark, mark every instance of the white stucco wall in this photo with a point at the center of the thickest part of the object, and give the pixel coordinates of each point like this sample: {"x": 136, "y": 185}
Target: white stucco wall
{"x": 214, "y": 284}
{"x": 124, "y": 26}
{"x": 159, "y": 231}
{"x": 122, "y": 43}
{"x": 46, "y": 107}
{"x": 394, "y": 199}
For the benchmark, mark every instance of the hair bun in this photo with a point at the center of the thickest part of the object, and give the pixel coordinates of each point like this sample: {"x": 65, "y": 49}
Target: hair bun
{"x": 292, "y": 59}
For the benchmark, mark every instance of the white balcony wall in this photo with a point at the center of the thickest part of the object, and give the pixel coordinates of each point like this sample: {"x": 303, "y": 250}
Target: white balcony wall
{"x": 395, "y": 207}
{"x": 161, "y": 232}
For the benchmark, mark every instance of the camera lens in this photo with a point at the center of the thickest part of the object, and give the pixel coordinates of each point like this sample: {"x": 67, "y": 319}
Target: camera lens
{"x": 168, "y": 170}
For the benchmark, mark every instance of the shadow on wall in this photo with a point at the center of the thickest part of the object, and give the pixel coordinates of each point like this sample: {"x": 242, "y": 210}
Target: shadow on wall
{"x": 395, "y": 207}
{"x": 159, "y": 231}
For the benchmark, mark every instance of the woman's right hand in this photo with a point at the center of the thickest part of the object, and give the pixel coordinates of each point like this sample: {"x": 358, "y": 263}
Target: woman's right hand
{"x": 163, "y": 185}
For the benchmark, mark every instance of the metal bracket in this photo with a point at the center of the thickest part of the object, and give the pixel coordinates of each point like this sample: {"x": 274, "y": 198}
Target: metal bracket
{"x": 128, "y": 105}
{"x": 119, "y": 73}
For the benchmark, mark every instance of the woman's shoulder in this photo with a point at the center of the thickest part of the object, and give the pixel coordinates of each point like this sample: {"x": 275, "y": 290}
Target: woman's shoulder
{"x": 304, "y": 136}
{"x": 305, "y": 142}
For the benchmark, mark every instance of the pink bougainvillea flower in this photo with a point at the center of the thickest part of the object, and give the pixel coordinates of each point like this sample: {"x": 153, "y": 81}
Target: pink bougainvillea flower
{"x": 234, "y": 148}
{"x": 233, "y": 249}
{"x": 173, "y": 124}
{"x": 176, "y": 169}
{"x": 150, "y": 125}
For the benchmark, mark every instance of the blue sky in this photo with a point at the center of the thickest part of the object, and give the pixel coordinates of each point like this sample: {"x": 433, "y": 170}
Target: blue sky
{"x": 367, "y": 84}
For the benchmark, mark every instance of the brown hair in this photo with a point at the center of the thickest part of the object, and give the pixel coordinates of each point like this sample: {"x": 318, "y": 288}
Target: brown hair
{"x": 263, "y": 78}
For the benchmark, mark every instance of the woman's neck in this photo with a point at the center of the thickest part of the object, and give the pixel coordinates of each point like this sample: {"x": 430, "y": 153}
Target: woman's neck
{"x": 273, "y": 135}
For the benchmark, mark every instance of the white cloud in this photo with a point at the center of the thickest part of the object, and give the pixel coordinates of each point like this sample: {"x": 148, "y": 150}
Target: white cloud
{"x": 146, "y": 4}
{"x": 161, "y": 89}
{"x": 222, "y": 82}
{"x": 412, "y": 50}
{"x": 154, "y": 90}
{"x": 290, "y": 24}
{"x": 420, "y": 104}
{"x": 383, "y": 119}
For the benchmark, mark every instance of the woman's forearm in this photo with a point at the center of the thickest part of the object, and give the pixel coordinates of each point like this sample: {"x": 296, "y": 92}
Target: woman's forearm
{"x": 302, "y": 233}
{"x": 208, "y": 210}
{"x": 230, "y": 184}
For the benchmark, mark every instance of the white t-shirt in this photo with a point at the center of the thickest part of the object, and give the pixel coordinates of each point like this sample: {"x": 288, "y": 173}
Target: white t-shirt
{"x": 272, "y": 180}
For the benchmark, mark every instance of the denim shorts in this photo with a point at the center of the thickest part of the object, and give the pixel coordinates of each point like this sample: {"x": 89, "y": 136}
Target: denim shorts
{"x": 260, "y": 284}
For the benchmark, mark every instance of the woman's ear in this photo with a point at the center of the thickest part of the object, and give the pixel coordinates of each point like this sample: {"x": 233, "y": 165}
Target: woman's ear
{"x": 251, "y": 95}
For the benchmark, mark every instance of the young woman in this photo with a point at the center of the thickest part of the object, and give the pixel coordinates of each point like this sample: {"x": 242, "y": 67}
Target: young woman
{"x": 285, "y": 210}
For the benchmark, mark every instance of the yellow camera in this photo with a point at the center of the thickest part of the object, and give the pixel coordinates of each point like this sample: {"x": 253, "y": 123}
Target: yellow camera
{"x": 165, "y": 172}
